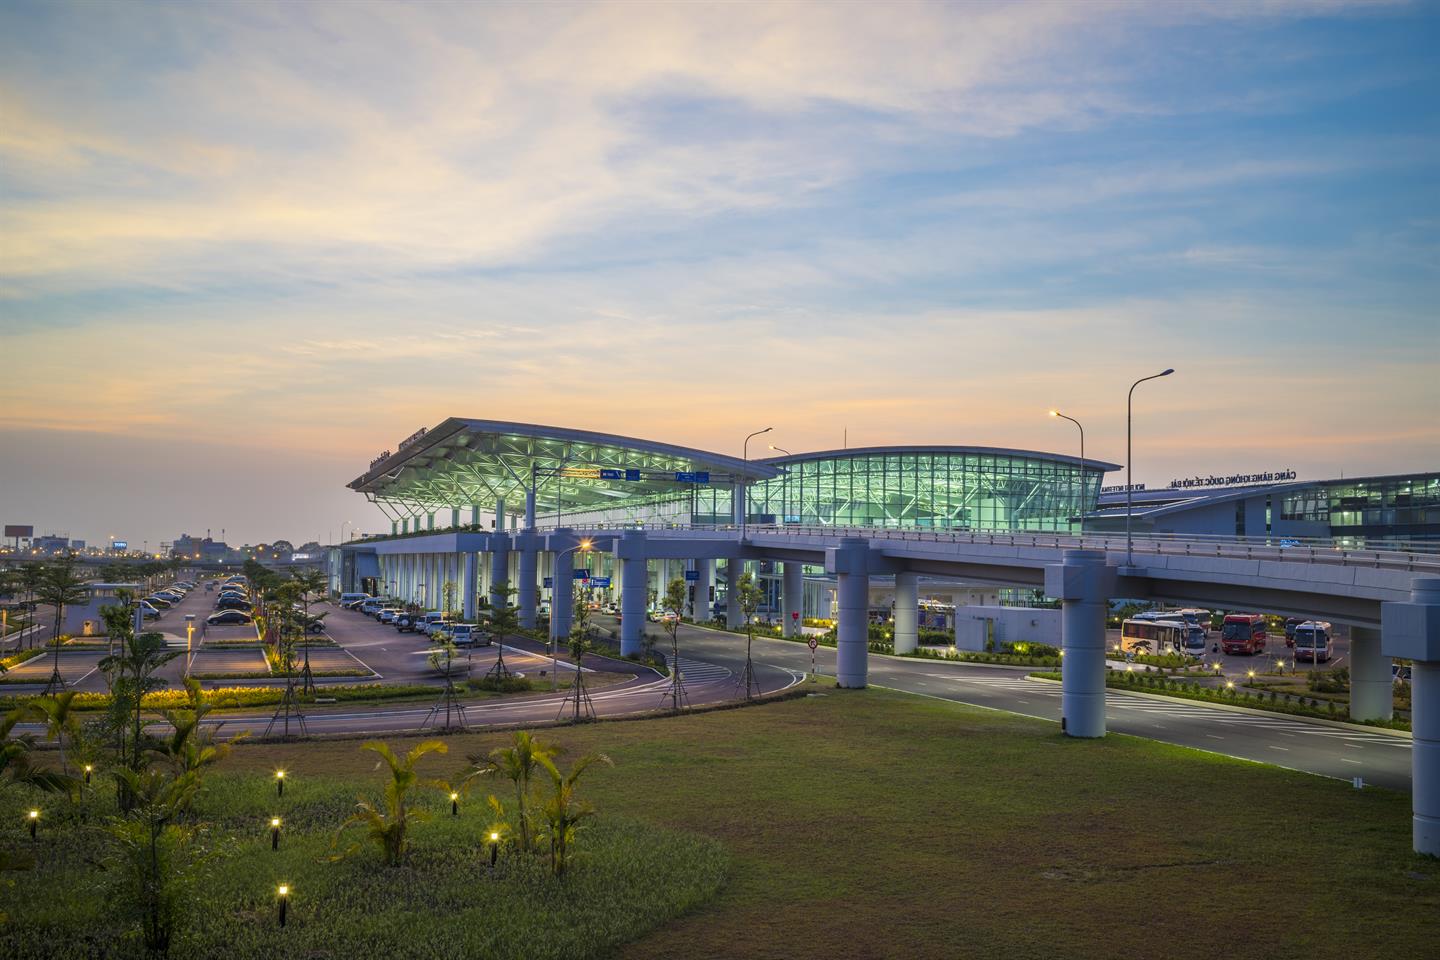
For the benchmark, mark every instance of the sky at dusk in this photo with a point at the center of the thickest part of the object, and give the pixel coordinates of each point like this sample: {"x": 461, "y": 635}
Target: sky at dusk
{"x": 246, "y": 247}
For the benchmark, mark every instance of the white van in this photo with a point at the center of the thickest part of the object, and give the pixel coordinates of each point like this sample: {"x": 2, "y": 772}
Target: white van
{"x": 468, "y": 634}
{"x": 1313, "y": 641}
{"x": 352, "y": 597}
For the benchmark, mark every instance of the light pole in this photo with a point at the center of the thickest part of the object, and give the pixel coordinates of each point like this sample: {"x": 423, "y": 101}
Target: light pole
{"x": 1129, "y": 480}
{"x": 1057, "y": 413}
{"x": 740, "y": 487}
{"x": 784, "y": 500}
{"x": 584, "y": 547}
{"x": 347, "y": 523}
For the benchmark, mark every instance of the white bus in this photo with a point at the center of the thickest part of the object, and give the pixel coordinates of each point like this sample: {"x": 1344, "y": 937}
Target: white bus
{"x": 1159, "y": 637}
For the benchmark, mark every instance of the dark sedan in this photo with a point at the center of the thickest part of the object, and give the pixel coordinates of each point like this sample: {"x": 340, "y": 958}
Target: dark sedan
{"x": 228, "y": 616}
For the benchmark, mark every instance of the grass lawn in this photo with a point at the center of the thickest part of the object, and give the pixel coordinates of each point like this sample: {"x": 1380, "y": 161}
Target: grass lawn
{"x": 873, "y": 824}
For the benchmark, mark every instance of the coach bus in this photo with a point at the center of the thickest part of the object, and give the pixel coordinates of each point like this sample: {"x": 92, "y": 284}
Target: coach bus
{"x": 1161, "y": 637}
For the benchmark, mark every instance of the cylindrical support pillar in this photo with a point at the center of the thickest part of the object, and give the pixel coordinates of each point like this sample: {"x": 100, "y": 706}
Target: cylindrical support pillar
{"x": 1372, "y": 691}
{"x": 792, "y": 596}
{"x": 630, "y": 550}
{"x": 562, "y": 592}
{"x": 734, "y": 615}
{"x": 500, "y": 516}
{"x": 852, "y": 632}
{"x": 907, "y": 612}
{"x": 1082, "y": 632}
{"x": 526, "y": 595}
{"x": 499, "y": 566}
{"x": 704, "y": 579}
{"x": 1411, "y": 631}
{"x": 470, "y": 574}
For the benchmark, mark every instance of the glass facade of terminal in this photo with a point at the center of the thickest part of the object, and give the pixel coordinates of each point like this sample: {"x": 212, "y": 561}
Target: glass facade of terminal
{"x": 1399, "y": 508}
{"x": 937, "y": 489}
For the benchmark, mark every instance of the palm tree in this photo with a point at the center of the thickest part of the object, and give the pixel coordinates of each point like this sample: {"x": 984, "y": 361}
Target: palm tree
{"x": 750, "y": 596}
{"x": 58, "y": 715}
{"x": 60, "y": 587}
{"x": 518, "y": 764}
{"x": 192, "y": 746}
{"x": 130, "y": 674}
{"x": 562, "y": 812}
{"x": 313, "y": 584}
{"x": 387, "y": 827}
{"x": 29, "y": 577}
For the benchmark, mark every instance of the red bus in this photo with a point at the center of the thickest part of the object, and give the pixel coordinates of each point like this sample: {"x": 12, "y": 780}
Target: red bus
{"x": 1243, "y": 633}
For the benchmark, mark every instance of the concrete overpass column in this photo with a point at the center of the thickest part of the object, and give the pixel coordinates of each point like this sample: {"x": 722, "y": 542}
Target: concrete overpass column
{"x": 630, "y": 551}
{"x": 474, "y": 514}
{"x": 734, "y": 616}
{"x": 792, "y": 596}
{"x": 470, "y": 573}
{"x": 907, "y": 612}
{"x": 1410, "y": 630}
{"x": 529, "y": 560}
{"x": 850, "y": 562}
{"x": 454, "y": 516}
{"x": 1081, "y": 583}
{"x": 704, "y": 580}
{"x": 1372, "y": 691}
{"x": 499, "y": 516}
{"x": 562, "y": 594}
{"x": 499, "y": 562}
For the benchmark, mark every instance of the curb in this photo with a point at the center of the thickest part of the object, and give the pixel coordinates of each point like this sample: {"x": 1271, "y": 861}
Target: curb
{"x": 1236, "y": 708}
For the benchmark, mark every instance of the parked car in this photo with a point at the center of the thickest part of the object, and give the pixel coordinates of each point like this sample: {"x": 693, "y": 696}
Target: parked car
{"x": 468, "y": 634}
{"x": 1399, "y": 673}
{"x": 388, "y": 615}
{"x": 228, "y": 617}
{"x": 346, "y": 599}
{"x": 158, "y": 602}
{"x": 235, "y": 604}
{"x": 405, "y": 622}
{"x": 433, "y": 628}
{"x": 669, "y": 616}
{"x": 149, "y": 612}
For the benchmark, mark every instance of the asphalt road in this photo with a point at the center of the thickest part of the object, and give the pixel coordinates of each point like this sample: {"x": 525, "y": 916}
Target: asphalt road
{"x": 712, "y": 663}
{"x": 1331, "y": 751}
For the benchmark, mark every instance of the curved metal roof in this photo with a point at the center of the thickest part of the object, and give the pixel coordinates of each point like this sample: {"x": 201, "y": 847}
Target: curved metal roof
{"x": 941, "y": 450}
{"x": 466, "y": 461}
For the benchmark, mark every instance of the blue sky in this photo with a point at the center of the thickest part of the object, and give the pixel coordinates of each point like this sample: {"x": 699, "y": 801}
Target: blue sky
{"x": 323, "y": 226}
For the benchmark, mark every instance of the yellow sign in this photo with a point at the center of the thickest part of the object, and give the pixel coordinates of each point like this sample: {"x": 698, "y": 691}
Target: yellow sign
{"x": 584, "y": 473}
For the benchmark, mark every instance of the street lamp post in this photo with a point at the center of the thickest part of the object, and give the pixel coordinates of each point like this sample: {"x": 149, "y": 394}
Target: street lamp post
{"x": 347, "y": 523}
{"x": 1080, "y": 426}
{"x": 584, "y": 547}
{"x": 784, "y": 501}
{"x": 740, "y": 487}
{"x": 1129, "y": 479}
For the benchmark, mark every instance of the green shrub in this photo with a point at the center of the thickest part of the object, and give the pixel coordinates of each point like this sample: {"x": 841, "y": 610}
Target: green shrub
{"x": 509, "y": 684}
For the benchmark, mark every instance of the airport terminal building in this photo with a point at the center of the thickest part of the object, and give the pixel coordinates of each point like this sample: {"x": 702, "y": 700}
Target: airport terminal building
{"x": 468, "y": 476}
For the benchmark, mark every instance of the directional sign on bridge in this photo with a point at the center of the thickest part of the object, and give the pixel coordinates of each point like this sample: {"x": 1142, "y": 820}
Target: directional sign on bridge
{"x": 692, "y": 575}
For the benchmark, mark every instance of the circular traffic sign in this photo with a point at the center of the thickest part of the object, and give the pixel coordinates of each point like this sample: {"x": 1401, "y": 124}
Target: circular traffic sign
{"x": 813, "y": 643}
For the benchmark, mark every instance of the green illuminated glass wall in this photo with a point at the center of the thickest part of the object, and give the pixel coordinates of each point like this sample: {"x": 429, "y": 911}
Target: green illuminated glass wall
{"x": 941, "y": 490}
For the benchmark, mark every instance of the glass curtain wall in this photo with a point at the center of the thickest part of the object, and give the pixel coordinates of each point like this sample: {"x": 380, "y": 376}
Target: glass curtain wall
{"x": 951, "y": 491}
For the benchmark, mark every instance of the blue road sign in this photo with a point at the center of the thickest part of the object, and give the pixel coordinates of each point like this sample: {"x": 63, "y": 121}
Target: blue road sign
{"x": 632, "y": 474}
{"x": 698, "y": 476}
{"x": 581, "y": 574}
{"x": 609, "y": 474}
{"x": 692, "y": 575}
{"x": 599, "y": 581}
{"x": 549, "y": 582}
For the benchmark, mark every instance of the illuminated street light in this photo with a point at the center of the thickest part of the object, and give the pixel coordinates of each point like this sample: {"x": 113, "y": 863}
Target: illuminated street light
{"x": 494, "y": 846}
{"x": 1130, "y": 480}
{"x": 34, "y": 822}
{"x": 1057, "y": 413}
{"x": 283, "y": 893}
{"x": 454, "y": 804}
{"x": 89, "y": 769}
{"x": 274, "y": 833}
{"x": 279, "y": 783}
